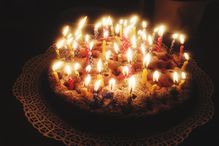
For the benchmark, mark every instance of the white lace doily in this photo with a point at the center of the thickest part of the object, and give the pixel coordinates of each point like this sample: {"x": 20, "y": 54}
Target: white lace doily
{"x": 38, "y": 113}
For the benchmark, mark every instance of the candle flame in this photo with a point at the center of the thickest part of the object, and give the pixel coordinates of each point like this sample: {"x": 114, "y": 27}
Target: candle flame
{"x": 82, "y": 22}
{"x": 161, "y": 30}
{"x": 186, "y": 55}
{"x": 105, "y": 34}
{"x": 175, "y": 36}
{"x": 108, "y": 54}
{"x": 88, "y": 68}
{"x": 117, "y": 29}
{"x": 87, "y": 38}
{"x": 131, "y": 83}
{"x": 97, "y": 85}
{"x": 175, "y": 77}
{"x": 121, "y": 21}
{"x": 65, "y": 30}
{"x": 144, "y": 24}
{"x": 183, "y": 75}
{"x": 76, "y": 66}
{"x": 97, "y": 25}
{"x": 156, "y": 76}
{"x": 116, "y": 47}
{"x": 87, "y": 80}
{"x": 134, "y": 20}
{"x": 75, "y": 44}
{"x": 150, "y": 39}
{"x": 68, "y": 69}
{"x": 57, "y": 65}
{"x": 99, "y": 65}
{"x": 125, "y": 70}
{"x": 147, "y": 59}
{"x": 91, "y": 45}
{"x": 144, "y": 36}
{"x": 182, "y": 38}
{"x": 60, "y": 43}
{"x": 134, "y": 45}
{"x": 143, "y": 49}
{"x": 112, "y": 83}
{"x": 129, "y": 55}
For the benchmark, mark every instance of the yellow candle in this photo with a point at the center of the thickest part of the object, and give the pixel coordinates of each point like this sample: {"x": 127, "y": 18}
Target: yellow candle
{"x": 146, "y": 61}
{"x": 186, "y": 55}
{"x": 103, "y": 49}
{"x": 183, "y": 78}
{"x": 100, "y": 78}
{"x": 55, "y": 74}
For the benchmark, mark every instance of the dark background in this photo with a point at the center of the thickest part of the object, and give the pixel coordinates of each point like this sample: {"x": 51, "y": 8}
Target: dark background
{"x": 28, "y": 28}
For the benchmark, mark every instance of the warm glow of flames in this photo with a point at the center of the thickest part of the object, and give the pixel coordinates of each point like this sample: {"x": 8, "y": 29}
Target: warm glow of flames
{"x": 91, "y": 45}
{"x": 82, "y": 22}
{"x": 116, "y": 47}
{"x": 112, "y": 83}
{"x": 143, "y": 49}
{"x": 129, "y": 55}
{"x": 131, "y": 83}
{"x": 60, "y": 43}
{"x": 150, "y": 39}
{"x": 105, "y": 34}
{"x": 57, "y": 65}
{"x": 117, "y": 29}
{"x": 147, "y": 60}
{"x": 134, "y": 42}
{"x": 121, "y": 21}
{"x": 161, "y": 30}
{"x": 68, "y": 69}
{"x": 99, "y": 65}
{"x": 108, "y": 54}
{"x": 76, "y": 66}
{"x": 144, "y": 36}
{"x": 182, "y": 38}
{"x": 97, "y": 25}
{"x": 134, "y": 20}
{"x": 183, "y": 75}
{"x": 87, "y": 38}
{"x": 75, "y": 44}
{"x": 175, "y": 77}
{"x": 69, "y": 39}
{"x": 125, "y": 70}
{"x": 87, "y": 80}
{"x": 186, "y": 55}
{"x": 65, "y": 30}
{"x": 156, "y": 76}
{"x": 126, "y": 31}
{"x": 88, "y": 68}
{"x": 97, "y": 85}
{"x": 144, "y": 24}
{"x": 125, "y": 22}
{"x": 175, "y": 36}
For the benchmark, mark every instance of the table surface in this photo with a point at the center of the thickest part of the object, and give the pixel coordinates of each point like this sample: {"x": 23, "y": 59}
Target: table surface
{"x": 30, "y": 28}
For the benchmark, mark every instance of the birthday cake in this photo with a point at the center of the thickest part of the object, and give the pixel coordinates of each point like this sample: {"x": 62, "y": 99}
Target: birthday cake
{"x": 120, "y": 70}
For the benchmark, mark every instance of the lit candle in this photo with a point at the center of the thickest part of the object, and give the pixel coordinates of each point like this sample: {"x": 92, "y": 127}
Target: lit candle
{"x": 87, "y": 80}
{"x": 181, "y": 50}
{"x": 186, "y": 56}
{"x": 156, "y": 76}
{"x": 125, "y": 71}
{"x": 133, "y": 21}
{"x": 107, "y": 57}
{"x": 150, "y": 42}
{"x": 134, "y": 42}
{"x": 131, "y": 84}
{"x": 160, "y": 37}
{"x": 60, "y": 44}
{"x": 112, "y": 83}
{"x": 65, "y": 30}
{"x": 144, "y": 25}
{"x": 82, "y": 22}
{"x": 129, "y": 55}
{"x": 68, "y": 71}
{"x": 87, "y": 38}
{"x": 121, "y": 27}
{"x": 175, "y": 78}
{"x": 75, "y": 47}
{"x": 117, "y": 29}
{"x": 96, "y": 31}
{"x": 99, "y": 69}
{"x": 76, "y": 68}
{"x": 146, "y": 61}
{"x": 56, "y": 67}
{"x": 88, "y": 68}
{"x": 174, "y": 36}
{"x": 183, "y": 78}
{"x": 97, "y": 85}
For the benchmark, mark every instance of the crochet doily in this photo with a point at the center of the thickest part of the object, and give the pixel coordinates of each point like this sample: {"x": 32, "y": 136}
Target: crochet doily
{"x": 40, "y": 115}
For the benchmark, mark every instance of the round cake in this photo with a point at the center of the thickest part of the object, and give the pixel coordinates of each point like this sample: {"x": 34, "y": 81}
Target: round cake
{"x": 119, "y": 70}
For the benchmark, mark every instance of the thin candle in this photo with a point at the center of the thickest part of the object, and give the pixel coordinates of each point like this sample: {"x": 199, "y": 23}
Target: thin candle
{"x": 112, "y": 83}
{"x": 174, "y": 36}
{"x": 131, "y": 84}
{"x": 181, "y": 50}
